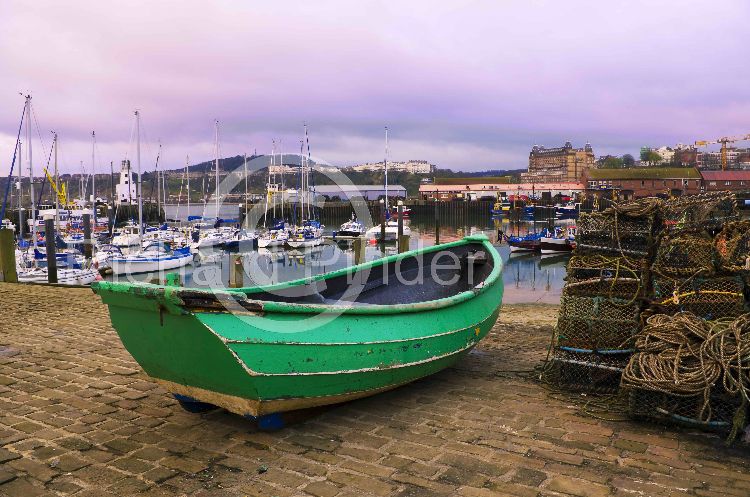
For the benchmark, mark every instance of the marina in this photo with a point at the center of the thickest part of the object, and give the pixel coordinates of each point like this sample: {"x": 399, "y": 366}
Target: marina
{"x": 341, "y": 249}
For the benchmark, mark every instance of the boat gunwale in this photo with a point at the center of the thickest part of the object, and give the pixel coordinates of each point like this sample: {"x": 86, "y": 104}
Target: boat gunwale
{"x": 171, "y": 295}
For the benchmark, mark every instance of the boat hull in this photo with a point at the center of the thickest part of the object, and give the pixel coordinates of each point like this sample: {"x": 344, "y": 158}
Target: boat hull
{"x": 524, "y": 246}
{"x": 64, "y": 276}
{"x": 313, "y": 242}
{"x": 125, "y": 266}
{"x": 555, "y": 245}
{"x": 271, "y": 360}
{"x": 349, "y": 234}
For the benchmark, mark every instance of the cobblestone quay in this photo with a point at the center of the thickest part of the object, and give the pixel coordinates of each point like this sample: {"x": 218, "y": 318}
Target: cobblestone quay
{"x": 77, "y": 417}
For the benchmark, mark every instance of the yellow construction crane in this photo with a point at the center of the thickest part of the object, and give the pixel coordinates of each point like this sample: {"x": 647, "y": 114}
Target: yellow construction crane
{"x": 62, "y": 196}
{"x": 724, "y": 140}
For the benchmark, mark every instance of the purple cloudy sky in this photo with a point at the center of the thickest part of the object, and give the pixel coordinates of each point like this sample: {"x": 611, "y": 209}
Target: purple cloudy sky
{"x": 466, "y": 85}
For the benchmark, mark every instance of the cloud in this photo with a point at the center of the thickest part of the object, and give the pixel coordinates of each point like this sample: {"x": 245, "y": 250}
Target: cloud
{"x": 468, "y": 85}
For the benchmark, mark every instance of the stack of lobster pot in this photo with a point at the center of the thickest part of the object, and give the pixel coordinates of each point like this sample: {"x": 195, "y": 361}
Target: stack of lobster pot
{"x": 696, "y": 316}
{"x": 699, "y": 233}
{"x": 605, "y": 291}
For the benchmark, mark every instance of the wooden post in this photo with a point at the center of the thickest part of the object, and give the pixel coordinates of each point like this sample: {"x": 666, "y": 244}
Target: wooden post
{"x": 49, "y": 243}
{"x": 359, "y": 246}
{"x": 7, "y": 257}
{"x": 400, "y": 218}
{"x": 437, "y": 223}
{"x": 403, "y": 243}
{"x": 87, "y": 241}
{"x": 236, "y": 271}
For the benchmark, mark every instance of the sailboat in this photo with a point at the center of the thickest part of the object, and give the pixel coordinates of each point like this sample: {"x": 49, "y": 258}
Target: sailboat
{"x": 214, "y": 237}
{"x": 391, "y": 227}
{"x": 156, "y": 256}
{"x": 310, "y": 232}
{"x": 278, "y": 234}
{"x": 69, "y": 272}
{"x": 241, "y": 240}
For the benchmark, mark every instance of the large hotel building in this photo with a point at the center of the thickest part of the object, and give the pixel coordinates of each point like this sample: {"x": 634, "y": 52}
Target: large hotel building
{"x": 558, "y": 165}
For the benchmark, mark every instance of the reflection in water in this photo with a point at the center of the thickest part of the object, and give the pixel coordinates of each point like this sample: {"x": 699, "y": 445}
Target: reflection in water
{"x": 528, "y": 278}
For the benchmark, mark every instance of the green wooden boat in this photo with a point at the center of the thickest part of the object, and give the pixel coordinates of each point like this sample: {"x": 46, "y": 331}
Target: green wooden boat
{"x": 321, "y": 340}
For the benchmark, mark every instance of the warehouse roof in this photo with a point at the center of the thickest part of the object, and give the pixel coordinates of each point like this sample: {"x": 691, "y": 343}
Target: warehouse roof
{"x": 645, "y": 173}
{"x": 726, "y": 175}
{"x": 474, "y": 180}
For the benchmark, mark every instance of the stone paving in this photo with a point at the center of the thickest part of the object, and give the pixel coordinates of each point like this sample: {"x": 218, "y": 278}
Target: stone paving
{"x": 77, "y": 417}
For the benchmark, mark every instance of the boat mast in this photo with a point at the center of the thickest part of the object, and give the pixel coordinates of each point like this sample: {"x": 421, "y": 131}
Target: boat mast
{"x": 139, "y": 193}
{"x": 305, "y": 181}
{"x": 298, "y": 203}
{"x": 244, "y": 158}
{"x": 268, "y": 185}
{"x": 158, "y": 185}
{"x": 57, "y": 187}
{"x": 187, "y": 173}
{"x": 217, "y": 168}
{"x": 21, "y": 220}
{"x": 93, "y": 174}
{"x": 311, "y": 173}
{"x": 301, "y": 183}
{"x": 281, "y": 172}
{"x": 32, "y": 215}
{"x": 385, "y": 167}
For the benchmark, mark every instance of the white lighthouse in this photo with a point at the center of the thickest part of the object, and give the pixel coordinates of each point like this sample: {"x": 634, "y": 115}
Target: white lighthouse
{"x": 127, "y": 188}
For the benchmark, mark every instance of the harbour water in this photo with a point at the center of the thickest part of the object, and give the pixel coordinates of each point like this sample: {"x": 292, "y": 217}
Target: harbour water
{"x": 528, "y": 278}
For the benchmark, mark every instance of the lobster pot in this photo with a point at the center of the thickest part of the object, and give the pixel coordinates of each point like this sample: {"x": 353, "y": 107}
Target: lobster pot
{"x": 606, "y": 286}
{"x": 685, "y": 254}
{"x": 609, "y": 233}
{"x": 596, "y": 324}
{"x": 707, "y": 211}
{"x": 591, "y": 266}
{"x": 587, "y": 371}
{"x": 684, "y": 410}
{"x": 732, "y": 247}
{"x": 707, "y": 298}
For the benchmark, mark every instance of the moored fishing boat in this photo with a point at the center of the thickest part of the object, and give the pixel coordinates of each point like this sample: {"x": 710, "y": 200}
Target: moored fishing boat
{"x": 531, "y": 242}
{"x": 559, "y": 242}
{"x": 322, "y": 340}
{"x": 352, "y": 228}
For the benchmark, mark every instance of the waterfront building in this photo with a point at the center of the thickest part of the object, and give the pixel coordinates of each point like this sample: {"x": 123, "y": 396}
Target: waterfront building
{"x": 492, "y": 188}
{"x": 737, "y": 158}
{"x": 410, "y": 166}
{"x": 645, "y": 182}
{"x": 558, "y": 165}
{"x": 367, "y": 192}
{"x": 726, "y": 180}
